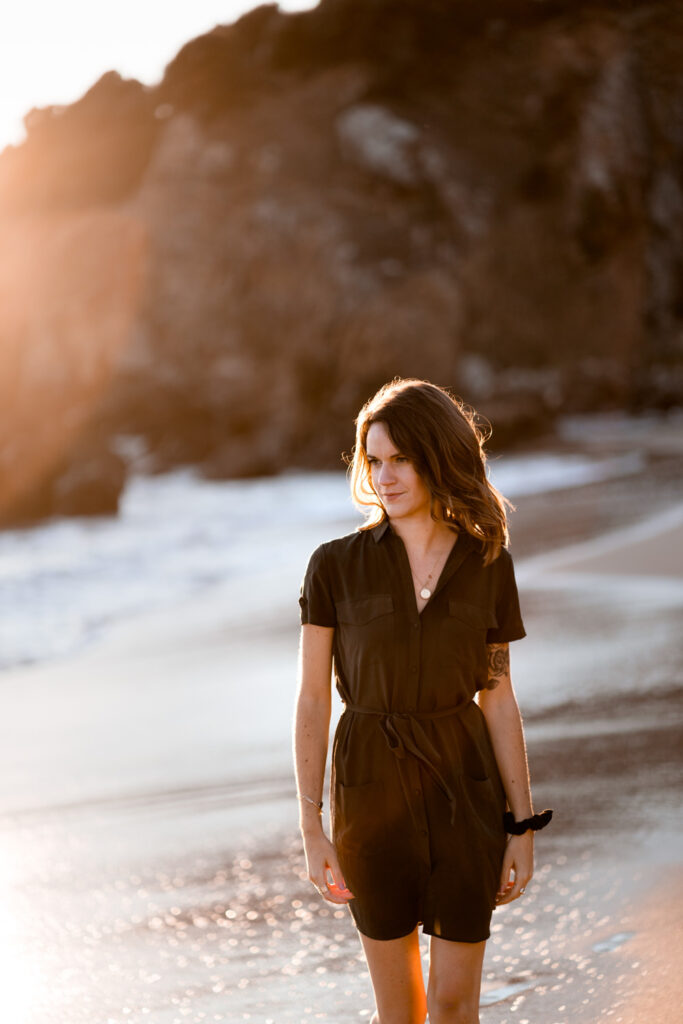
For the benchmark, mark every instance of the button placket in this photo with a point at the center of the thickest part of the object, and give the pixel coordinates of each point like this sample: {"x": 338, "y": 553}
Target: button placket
{"x": 410, "y": 674}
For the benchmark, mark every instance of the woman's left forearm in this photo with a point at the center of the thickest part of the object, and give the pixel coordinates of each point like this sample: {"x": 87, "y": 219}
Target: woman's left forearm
{"x": 504, "y": 722}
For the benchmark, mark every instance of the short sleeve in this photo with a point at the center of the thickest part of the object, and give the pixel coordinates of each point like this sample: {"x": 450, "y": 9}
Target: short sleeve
{"x": 510, "y": 625}
{"x": 315, "y": 599}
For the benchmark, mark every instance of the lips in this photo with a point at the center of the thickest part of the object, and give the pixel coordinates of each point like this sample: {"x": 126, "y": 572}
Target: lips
{"x": 393, "y": 495}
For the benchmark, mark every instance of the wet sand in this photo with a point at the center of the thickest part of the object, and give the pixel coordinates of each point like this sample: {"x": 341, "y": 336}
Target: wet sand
{"x": 649, "y": 966}
{"x": 607, "y": 889}
{"x": 138, "y": 882}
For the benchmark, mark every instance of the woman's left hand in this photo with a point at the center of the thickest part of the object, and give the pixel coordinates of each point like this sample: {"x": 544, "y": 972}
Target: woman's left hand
{"x": 518, "y": 868}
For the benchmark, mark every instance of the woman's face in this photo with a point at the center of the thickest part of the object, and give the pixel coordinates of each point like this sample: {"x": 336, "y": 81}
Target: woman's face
{"x": 394, "y": 479}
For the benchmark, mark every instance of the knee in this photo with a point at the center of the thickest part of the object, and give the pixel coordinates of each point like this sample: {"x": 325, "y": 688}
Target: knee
{"x": 451, "y": 1007}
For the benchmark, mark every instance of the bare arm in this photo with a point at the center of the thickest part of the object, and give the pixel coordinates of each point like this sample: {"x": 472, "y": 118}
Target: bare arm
{"x": 312, "y": 718}
{"x": 499, "y": 706}
{"x": 311, "y": 731}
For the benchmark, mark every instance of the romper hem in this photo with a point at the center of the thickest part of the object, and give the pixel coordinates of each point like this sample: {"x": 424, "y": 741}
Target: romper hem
{"x": 425, "y": 931}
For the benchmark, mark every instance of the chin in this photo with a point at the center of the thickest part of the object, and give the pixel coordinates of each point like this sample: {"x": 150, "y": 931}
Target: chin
{"x": 405, "y": 510}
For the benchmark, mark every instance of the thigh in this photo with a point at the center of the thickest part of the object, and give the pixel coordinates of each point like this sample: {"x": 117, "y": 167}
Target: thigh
{"x": 396, "y": 973}
{"x": 455, "y": 977}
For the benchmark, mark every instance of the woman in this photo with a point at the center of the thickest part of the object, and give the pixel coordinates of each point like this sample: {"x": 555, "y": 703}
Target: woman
{"x": 415, "y": 610}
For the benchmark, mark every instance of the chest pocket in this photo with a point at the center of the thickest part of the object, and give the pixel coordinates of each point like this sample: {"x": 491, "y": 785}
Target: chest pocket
{"x": 360, "y": 610}
{"x": 471, "y": 616}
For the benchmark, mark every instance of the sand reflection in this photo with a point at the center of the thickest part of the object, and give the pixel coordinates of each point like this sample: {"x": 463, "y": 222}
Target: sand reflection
{"x": 150, "y": 866}
{"x": 25, "y": 978}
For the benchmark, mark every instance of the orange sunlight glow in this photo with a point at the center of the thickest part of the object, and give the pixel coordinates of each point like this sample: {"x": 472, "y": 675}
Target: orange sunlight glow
{"x": 71, "y": 281}
{"x": 52, "y": 53}
{"x": 70, "y": 285}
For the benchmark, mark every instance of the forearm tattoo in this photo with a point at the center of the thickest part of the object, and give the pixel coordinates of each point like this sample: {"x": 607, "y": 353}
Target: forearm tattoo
{"x": 499, "y": 664}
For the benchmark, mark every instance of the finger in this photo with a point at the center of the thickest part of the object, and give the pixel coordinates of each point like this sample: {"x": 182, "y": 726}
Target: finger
{"x": 505, "y": 888}
{"x": 505, "y": 876}
{"x": 522, "y": 876}
{"x": 340, "y": 892}
{"x": 338, "y": 882}
{"x": 336, "y": 872}
{"x": 503, "y": 897}
{"x": 507, "y": 895}
{"x": 317, "y": 883}
{"x": 516, "y": 890}
{"x": 331, "y": 893}
{"x": 334, "y": 895}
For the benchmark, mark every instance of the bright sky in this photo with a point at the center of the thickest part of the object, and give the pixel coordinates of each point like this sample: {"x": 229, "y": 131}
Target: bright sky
{"x": 52, "y": 51}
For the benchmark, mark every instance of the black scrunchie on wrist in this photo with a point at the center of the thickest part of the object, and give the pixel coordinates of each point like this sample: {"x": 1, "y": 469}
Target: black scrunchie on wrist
{"x": 535, "y": 822}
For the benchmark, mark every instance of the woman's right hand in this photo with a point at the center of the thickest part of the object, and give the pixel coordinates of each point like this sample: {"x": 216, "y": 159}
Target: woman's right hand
{"x": 321, "y": 861}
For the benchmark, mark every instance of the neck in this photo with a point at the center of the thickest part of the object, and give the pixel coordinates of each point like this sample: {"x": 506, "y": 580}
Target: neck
{"x": 421, "y": 534}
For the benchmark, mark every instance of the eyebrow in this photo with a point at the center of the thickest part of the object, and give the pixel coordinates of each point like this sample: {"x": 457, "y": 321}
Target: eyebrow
{"x": 393, "y": 455}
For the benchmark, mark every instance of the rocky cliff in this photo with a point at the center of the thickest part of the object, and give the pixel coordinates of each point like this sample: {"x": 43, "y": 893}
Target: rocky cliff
{"x": 220, "y": 269}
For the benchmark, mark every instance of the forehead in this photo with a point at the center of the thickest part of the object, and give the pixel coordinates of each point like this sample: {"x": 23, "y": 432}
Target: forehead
{"x": 378, "y": 440}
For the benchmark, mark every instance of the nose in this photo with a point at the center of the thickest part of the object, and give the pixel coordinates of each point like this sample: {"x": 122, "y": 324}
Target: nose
{"x": 385, "y": 475}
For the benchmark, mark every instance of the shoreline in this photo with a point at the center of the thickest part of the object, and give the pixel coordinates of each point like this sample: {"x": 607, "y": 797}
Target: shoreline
{"x": 72, "y": 584}
{"x": 160, "y": 867}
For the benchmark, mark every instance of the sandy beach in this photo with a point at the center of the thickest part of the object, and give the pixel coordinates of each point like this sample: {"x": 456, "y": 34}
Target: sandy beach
{"x": 151, "y": 867}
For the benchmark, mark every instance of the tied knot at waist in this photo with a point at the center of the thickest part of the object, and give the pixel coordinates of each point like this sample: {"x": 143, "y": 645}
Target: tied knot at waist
{"x": 404, "y": 735}
{"x": 409, "y": 713}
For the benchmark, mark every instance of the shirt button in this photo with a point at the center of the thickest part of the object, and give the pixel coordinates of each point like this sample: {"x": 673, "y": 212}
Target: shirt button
{"x": 417, "y": 790}
{"x": 423, "y": 831}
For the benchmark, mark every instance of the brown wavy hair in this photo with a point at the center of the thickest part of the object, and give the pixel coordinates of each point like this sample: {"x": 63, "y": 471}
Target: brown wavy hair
{"x": 444, "y": 438}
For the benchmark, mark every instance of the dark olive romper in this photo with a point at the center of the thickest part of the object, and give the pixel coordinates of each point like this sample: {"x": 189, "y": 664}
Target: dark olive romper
{"x": 416, "y": 796}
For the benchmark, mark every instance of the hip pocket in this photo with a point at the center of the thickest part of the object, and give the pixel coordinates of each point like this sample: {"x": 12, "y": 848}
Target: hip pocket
{"x": 487, "y": 806}
{"x": 359, "y": 820}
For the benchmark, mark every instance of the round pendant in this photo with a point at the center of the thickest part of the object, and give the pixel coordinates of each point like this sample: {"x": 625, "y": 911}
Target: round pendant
{"x": 425, "y": 592}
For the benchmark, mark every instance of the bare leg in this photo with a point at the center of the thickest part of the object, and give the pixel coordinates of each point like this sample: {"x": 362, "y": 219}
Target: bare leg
{"x": 396, "y": 973}
{"x": 454, "y": 981}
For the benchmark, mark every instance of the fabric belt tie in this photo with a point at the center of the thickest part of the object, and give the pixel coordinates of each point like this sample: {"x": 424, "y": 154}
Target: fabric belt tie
{"x": 405, "y": 735}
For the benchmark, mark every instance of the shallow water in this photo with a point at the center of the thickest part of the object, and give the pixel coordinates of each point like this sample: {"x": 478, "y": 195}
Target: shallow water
{"x": 233, "y": 932}
{"x": 186, "y": 901}
{"x": 150, "y": 867}
{"x": 64, "y": 583}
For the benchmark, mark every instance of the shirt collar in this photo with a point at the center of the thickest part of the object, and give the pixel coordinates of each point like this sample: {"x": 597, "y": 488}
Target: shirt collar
{"x": 381, "y": 528}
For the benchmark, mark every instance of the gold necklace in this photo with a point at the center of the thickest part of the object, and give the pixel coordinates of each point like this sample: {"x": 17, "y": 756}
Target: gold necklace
{"x": 425, "y": 591}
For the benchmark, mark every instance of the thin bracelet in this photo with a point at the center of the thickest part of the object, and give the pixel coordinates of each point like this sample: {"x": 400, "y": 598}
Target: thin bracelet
{"x": 316, "y": 803}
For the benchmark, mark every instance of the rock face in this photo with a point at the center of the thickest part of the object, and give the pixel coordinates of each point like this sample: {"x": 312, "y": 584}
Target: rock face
{"x": 70, "y": 287}
{"x": 379, "y": 143}
{"x": 228, "y": 264}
